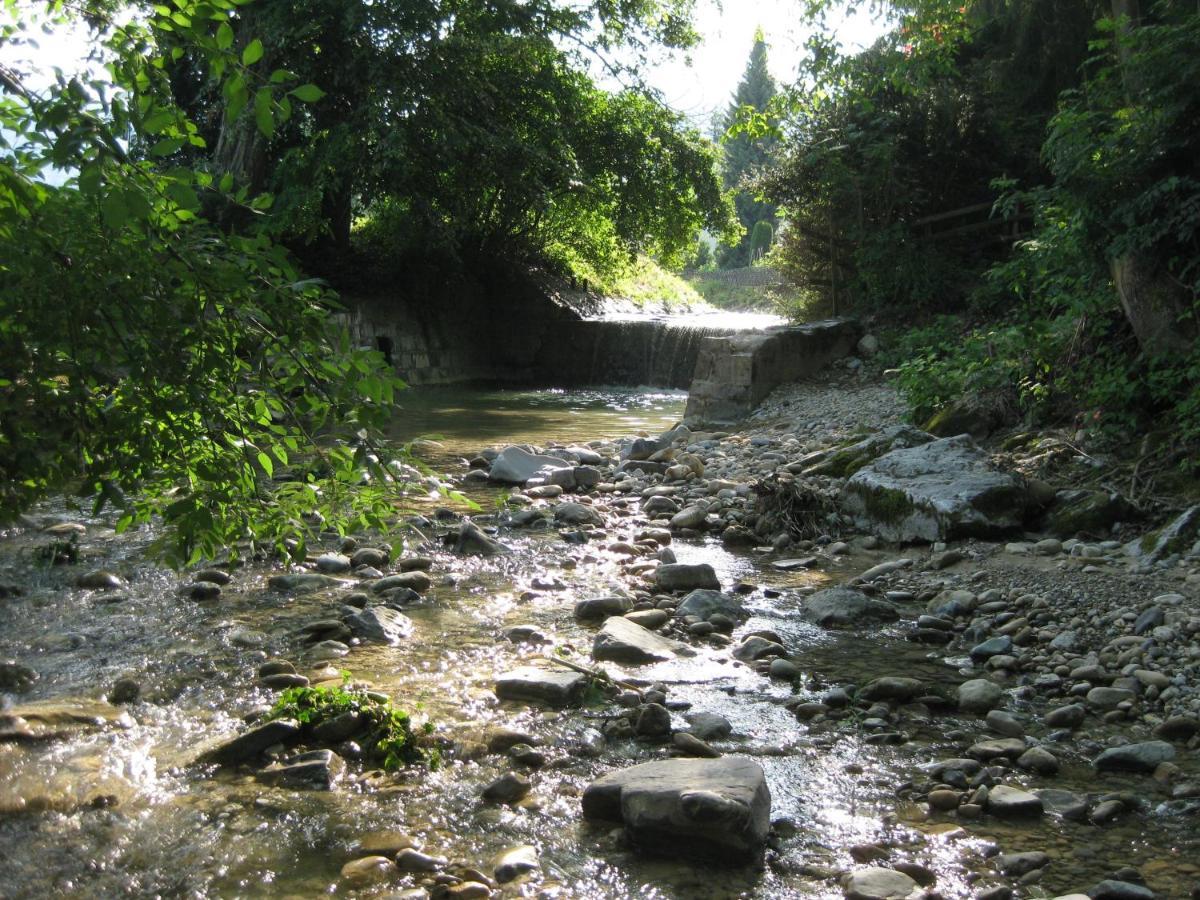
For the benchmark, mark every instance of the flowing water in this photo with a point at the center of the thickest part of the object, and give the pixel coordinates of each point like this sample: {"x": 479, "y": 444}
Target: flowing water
{"x": 118, "y": 810}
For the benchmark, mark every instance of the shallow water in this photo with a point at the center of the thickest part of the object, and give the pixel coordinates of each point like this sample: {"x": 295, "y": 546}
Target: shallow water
{"x": 467, "y": 418}
{"x": 119, "y": 811}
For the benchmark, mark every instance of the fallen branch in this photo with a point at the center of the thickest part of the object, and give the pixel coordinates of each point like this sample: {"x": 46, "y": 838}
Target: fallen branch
{"x": 597, "y": 674}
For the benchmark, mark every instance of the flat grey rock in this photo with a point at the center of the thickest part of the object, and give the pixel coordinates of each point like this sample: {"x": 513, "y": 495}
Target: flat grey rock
{"x": 415, "y": 580}
{"x": 516, "y": 466}
{"x": 842, "y": 607}
{"x": 1013, "y": 803}
{"x": 1140, "y": 757}
{"x": 597, "y": 609}
{"x": 686, "y": 577}
{"x": 317, "y": 769}
{"x": 877, "y": 883}
{"x": 252, "y": 743}
{"x": 380, "y": 624}
{"x": 620, "y": 640}
{"x": 532, "y": 685}
{"x": 697, "y": 808}
{"x": 471, "y": 541}
{"x": 304, "y": 583}
{"x": 706, "y": 602}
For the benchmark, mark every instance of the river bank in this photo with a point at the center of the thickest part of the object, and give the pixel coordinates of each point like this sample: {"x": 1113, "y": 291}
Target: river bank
{"x": 874, "y": 754}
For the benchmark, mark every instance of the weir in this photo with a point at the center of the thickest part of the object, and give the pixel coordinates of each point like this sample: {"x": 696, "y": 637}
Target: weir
{"x": 729, "y": 362}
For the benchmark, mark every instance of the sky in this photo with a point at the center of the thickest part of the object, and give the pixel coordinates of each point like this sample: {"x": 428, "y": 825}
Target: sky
{"x": 707, "y": 85}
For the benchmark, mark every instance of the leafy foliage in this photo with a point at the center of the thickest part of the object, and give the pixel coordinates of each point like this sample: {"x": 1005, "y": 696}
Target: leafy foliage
{"x": 165, "y": 366}
{"x": 389, "y": 737}
{"x": 1047, "y": 108}
{"x": 472, "y": 130}
{"x": 165, "y": 352}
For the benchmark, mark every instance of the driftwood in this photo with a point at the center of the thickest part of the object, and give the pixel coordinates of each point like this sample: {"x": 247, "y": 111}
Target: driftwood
{"x": 786, "y": 505}
{"x": 596, "y": 674}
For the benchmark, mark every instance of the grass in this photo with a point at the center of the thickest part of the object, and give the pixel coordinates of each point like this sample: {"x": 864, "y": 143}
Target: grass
{"x": 783, "y": 299}
{"x": 647, "y": 285}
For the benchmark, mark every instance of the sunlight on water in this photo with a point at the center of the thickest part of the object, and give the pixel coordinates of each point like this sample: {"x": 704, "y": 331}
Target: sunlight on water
{"x": 717, "y": 319}
{"x": 467, "y": 419}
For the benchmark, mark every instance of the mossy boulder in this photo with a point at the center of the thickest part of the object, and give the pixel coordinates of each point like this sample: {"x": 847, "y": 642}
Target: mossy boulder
{"x": 1180, "y": 536}
{"x": 942, "y": 490}
{"x": 844, "y": 461}
{"x": 975, "y": 414}
{"x": 1087, "y": 512}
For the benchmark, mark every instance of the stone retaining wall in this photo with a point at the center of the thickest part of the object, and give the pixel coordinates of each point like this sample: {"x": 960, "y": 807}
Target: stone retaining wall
{"x": 735, "y": 372}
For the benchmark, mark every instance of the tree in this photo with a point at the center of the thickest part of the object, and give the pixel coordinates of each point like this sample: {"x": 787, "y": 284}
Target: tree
{"x": 746, "y": 155}
{"x": 1123, "y": 150}
{"x": 152, "y": 361}
{"x": 473, "y": 125}
{"x": 164, "y": 352}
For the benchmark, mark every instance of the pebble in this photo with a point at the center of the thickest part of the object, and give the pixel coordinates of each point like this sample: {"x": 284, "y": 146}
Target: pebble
{"x": 413, "y": 860}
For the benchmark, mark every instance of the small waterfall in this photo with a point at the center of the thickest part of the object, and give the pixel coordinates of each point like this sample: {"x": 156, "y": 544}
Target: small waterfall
{"x": 656, "y": 352}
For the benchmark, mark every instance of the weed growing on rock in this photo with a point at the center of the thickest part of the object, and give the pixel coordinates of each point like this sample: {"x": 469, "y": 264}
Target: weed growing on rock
{"x": 387, "y": 733}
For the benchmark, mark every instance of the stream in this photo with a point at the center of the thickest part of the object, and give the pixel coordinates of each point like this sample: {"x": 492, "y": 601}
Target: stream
{"x": 118, "y": 810}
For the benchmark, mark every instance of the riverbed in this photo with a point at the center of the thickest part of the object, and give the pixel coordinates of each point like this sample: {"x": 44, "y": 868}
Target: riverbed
{"x": 119, "y": 809}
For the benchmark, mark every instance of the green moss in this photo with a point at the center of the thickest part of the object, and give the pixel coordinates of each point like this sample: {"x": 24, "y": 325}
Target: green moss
{"x": 1148, "y": 541}
{"x": 843, "y": 463}
{"x": 887, "y": 505}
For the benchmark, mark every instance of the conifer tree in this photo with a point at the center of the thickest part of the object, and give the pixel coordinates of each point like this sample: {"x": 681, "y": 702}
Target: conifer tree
{"x": 744, "y": 155}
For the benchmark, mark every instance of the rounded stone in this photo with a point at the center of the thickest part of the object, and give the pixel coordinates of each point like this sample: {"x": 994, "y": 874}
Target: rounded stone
{"x": 877, "y": 883}
{"x": 979, "y": 695}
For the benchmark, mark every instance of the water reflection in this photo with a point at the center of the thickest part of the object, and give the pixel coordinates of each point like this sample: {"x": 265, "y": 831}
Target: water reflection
{"x": 465, "y": 419}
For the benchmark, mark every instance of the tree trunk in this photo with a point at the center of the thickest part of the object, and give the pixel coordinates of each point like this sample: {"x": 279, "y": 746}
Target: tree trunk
{"x": 1154, "y": 304}
{"x": 241, "y": 149}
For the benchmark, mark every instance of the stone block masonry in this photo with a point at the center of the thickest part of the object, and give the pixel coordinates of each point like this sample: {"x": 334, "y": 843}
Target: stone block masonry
{"x": 735, "y": 372}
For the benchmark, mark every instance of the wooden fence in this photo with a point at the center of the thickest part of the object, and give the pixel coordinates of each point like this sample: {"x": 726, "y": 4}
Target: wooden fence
{"x": 752, "y": 276}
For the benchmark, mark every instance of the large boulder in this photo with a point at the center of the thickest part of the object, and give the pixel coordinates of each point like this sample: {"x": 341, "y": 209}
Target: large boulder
{"x": 516, "y": 465}
{"x": 842, "y": 607}
{"x": 531, "y": 685}
{"x": 623, "y": 641}
{"x": 381, "y": 624}
{"x": 705, "y": 603}
{"x": 943, "y": 490}
{"x": 699, "y": 808}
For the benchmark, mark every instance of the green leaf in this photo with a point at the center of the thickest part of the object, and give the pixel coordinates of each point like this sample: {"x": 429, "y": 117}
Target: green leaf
{"x": 158, "y": 120}
{"x": 265, "y": 462}
{"x": 114, "y": 211}
{"x": 167, "y": 146}
{"x": 307, "y": 93}
{"x": 253, "y": 52}
{"x": 263, "y": 116}
{"x": 224, "y": 36}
